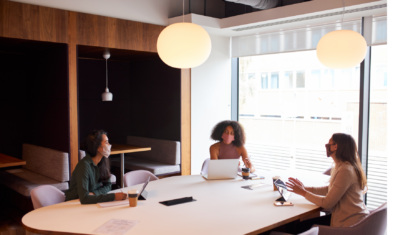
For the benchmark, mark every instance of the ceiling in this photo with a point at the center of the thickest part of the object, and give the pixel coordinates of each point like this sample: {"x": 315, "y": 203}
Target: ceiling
{"x": 165, "y": 12}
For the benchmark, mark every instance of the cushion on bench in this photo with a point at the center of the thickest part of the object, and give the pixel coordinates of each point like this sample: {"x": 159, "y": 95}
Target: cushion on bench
{"x": 47, "y": 162}
{"x": 163, "y": 151}
{"x": 157, "y": 168}
{"x": 23, "y": 181}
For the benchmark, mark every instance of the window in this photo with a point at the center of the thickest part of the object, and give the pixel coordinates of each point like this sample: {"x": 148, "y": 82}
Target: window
{"x": 274, "y": 81}
{"x": 315, "y": 79}
{"x": 290, "y": 127}
{"x": 264, "y": 81}
{"x": 327, "y": 81}
{"x": 287, "y": 81}
{"x": 251, "y": 76}
{"x": 379, "y": 74}
{"x": 300, "y": 79}
{"x": 346, "y": 76}
{"x": 302, "y": 103}
{"x": 377, "y": 148}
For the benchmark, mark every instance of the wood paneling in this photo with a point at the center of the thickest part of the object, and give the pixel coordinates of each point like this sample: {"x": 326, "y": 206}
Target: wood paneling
{"x": 109, "y": 32}
{"x": 185, "y": 122}
{"x": 89, "y": 52}
{"x": 7, "y": 161}
{"x": 24, "y": 21}
{"x": 73, "y": 91}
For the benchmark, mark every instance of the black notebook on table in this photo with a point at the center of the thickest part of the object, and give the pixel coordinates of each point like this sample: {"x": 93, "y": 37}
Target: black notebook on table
{"x": 177, "y": 201}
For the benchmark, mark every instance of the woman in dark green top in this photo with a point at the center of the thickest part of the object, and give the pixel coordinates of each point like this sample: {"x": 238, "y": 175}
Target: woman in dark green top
{"x": 90, "y": 181}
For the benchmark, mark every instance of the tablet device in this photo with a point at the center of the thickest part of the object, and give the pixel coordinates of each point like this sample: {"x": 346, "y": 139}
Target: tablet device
{"x": 143, "y": 194}
{"x": 282, "y": 189}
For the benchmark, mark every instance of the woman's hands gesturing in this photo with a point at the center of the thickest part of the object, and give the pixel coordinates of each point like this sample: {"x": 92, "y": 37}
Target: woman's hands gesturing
{"x": 296, "y": 186}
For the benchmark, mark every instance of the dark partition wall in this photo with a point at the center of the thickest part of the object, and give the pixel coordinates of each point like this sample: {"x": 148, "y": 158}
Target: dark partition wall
{"x": 12, "y": 102}
{"x": 155, "y": 100}
{"x": 34, "y": 95}
{"x": 146, "y": 99}
{"x": 46, "y": 116}
{"x": 111, "y": 116}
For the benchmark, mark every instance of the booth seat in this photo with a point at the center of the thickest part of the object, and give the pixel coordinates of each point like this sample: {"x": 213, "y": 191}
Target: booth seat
{"x": 44, "y": 166}
{"x": 163, "y": 159}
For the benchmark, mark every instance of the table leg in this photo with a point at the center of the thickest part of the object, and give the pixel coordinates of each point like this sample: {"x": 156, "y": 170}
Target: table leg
{"x": 122, "y": 170}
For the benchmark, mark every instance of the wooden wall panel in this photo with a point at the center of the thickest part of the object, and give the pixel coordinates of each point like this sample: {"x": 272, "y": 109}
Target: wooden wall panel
{"x": 32, "y": 21}
{"x": 26, "y": 21}
{"x": 73, "y": 91}
{"x": 185, "y": 122}
{"x": 93, "y": 30}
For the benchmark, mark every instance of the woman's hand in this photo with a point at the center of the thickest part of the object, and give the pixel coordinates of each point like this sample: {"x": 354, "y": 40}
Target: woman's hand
{"x": 296, "y": 186}
{"x": 91, "y": 193}
{"x": 120, "y": 196}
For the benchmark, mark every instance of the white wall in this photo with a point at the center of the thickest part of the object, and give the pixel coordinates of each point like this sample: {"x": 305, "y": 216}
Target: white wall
{"x": 210, "y": 99}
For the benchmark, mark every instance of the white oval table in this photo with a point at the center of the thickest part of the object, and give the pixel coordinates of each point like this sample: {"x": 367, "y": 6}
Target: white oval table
{"x": 221, "y": 207}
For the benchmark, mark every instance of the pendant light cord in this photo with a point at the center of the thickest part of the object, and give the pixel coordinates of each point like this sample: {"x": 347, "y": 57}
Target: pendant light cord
{"x": 183, "y": 11}
{"x": 106, "y": 61}
{"x": 342, "y": 17}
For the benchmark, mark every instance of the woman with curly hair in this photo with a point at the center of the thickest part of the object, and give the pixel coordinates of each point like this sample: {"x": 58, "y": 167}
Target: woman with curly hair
{"x": 232, "y": 138}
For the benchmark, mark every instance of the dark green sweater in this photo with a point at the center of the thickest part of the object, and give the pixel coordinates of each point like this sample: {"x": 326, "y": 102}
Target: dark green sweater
{"x": 84, "y": 180}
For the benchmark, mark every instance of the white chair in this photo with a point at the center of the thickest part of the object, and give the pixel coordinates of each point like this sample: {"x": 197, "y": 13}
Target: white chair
{"x": 138, "y": 177}
{"x": 205, "y": 167}
{"x": 46, "y": 195}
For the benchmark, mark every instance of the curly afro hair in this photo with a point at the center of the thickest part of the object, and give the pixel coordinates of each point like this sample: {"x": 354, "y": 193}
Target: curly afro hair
{"x": 240, "y": 136}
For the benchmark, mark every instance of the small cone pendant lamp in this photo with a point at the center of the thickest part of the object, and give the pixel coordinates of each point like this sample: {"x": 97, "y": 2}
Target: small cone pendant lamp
{"x": 106, "y": 96}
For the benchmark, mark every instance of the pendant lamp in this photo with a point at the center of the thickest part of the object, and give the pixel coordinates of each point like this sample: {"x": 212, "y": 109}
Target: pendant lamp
{"x": 341, "y": 49}
{"x": 106, "y": 96}
{"x": 184, "y": 45}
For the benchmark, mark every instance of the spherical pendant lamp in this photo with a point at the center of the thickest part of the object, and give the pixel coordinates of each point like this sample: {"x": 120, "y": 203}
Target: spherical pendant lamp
{"x": 341, "y": 49}
{"x": 184, "y": 45}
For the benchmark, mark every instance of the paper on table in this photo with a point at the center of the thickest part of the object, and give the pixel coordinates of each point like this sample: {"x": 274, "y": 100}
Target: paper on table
{"x": 114, "y": 203}
{"x": 116, "y": 227}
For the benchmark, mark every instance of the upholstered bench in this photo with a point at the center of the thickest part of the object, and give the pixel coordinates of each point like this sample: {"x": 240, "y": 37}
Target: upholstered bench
{"x": 44, "y": 166}
{"x": 163, "y": 159}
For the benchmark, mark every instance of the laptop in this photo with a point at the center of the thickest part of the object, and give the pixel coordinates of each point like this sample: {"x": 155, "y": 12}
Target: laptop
{"x": 222, "y": 169}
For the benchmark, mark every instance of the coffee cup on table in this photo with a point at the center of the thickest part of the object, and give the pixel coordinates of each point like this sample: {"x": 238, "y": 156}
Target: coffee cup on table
{"x": 274, "y": 179}
{"x": 133, "y": 197}
{"x": 246, "y": 173}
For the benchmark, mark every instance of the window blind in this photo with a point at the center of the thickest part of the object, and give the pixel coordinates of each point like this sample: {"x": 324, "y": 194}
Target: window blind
{"x": 302, "y": 38}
